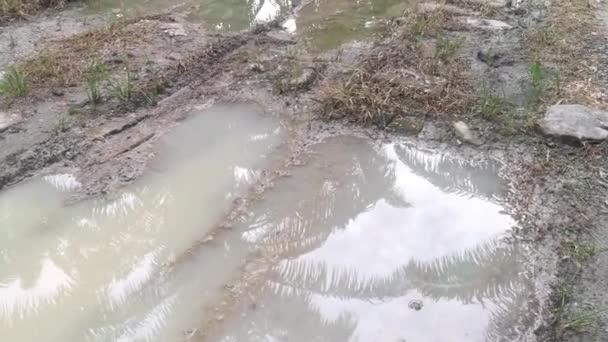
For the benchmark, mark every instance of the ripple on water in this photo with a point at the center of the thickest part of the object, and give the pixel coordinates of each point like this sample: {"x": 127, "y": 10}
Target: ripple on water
{"x": 96, "y": 270}
{"x": 363, "y": 232}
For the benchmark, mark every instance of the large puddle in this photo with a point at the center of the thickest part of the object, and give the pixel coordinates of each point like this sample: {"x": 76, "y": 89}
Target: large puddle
{"x": 385, "y": 243}
{"x": 96, "y": 271}
{"x": 366, "y": 243}
{"x": 325, "y": 24}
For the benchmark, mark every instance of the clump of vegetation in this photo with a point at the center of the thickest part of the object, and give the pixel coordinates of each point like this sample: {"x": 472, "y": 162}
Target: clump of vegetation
{"x": 446, "y": 48}
{"x": 123, "y": 89}
{"x": 365, "y": 97}
{"x": 96, "y": 73}
{"x": 13, "y": 83}
{"x": 583, "y": 319}
{"x": 490, "y": 104}
{"x": 508, "y": 123}
{"x": 66, "y": 63}
{"x": 62, "y": 125}
{"x": 422, "y": 23}
{"x": 23, "y": 8}
{"x": 403, "y": 77}
{"x": 537, "y": 73}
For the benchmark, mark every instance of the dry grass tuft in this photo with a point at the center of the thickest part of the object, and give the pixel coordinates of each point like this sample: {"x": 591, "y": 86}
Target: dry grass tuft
{"x": 563, "y": 40}
{"x": 67, "y": 61}
{"x": 23, "y": 8}
{"x": 416, "y": 72}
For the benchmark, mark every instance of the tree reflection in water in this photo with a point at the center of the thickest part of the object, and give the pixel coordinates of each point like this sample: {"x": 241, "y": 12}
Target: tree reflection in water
{"x": 345, "y": 180}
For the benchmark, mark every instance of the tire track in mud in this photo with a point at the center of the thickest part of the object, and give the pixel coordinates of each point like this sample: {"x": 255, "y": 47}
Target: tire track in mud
{"x": 189, "y": 78}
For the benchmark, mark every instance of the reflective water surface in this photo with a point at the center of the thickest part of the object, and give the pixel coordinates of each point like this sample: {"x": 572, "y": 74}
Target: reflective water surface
{"x": 98, "y": 270}
{"x": 385, "y": 243}
{"x": 367, "y": 242}
{"x": 324, "y": 23}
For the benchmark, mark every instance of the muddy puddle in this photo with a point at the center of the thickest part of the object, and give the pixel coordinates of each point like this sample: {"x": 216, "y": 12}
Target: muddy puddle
{"x": 324, "y": 24}
{"x": 100, "y": 270}
{"x": 358, "y": 242}
{"x": 385, "y": 243}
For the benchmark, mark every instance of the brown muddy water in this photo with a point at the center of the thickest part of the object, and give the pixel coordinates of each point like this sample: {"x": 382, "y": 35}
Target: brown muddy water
{"x": 367, "y": 242}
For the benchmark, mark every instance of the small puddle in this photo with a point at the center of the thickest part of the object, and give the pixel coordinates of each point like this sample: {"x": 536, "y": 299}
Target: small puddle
{"x": 95, "y": 271}
{"x": 385, "y": 244}
{"x": 325, "y": 24}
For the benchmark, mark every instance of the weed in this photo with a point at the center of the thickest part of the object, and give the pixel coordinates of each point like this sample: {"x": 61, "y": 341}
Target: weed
{"x": 73, "y": 110}
{"x": 490, "y": 104}
{"x": 537, "y": 75}
{"x": 557, "y": 82}
{"x": 583, "y": 319}
{"x": 583, "y": 252}
{"x": 123, "y": 89}
{"x": 565, "y": 292}
{"x": 421, "y": 25}
{"x": 47, "y": 69}
{"x": 13, "y": 83}
{"x": 21, "y": 8}
{"x": 61, "y": 125}
{"x": 95, "y": 74}
{"x": 544, "y": 36}
{"x": 117, "y": 23}
{"x": 508, "y": 123}
{"x": 530, "y": 118}
{"x": 446, "y": 48}
{"x": 151, "y": 96}
{"x": 536, "y": 72}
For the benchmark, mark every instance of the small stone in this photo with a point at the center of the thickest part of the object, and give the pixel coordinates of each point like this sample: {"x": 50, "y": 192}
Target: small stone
{"x": 174, "y": 56}
{"x": 57, "y": 92}
{"x": 464, "y": 133}
{"x": 415, "y": 305}
{"x": 429, "y": 132}
{"x": 488, "y": 24}
{"x": 494, "y": 58}
{"x": 255, "y": 67}
{"x": 174, "y": 29}
{"x": 575, "y": 122}
{"x": 304, "y": 80}
{"x": 406, "y": 125}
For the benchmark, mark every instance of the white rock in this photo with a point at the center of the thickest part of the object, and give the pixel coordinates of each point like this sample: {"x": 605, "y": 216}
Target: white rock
{"x": 575, "y": 121}
{"x": 488, "y": 24}
{"x": 7, "y": 120}
{"x": 464, "y": 133}
{"x": 174, "y": 29}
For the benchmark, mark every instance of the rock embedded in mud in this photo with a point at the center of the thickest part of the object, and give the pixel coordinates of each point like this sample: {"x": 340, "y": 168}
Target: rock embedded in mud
{"x": 304, "y": 80}
{"x": 255, "y": 67}
{"x": 174, "y": 29}
{"x": 488, "y": 24}
{"x": 464, "y": 133}
{"x": 7, "y": 120}
{"x": 575, "y": 122}
{"x": 494, "y": 58}
{"x": 430, "y": 132}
